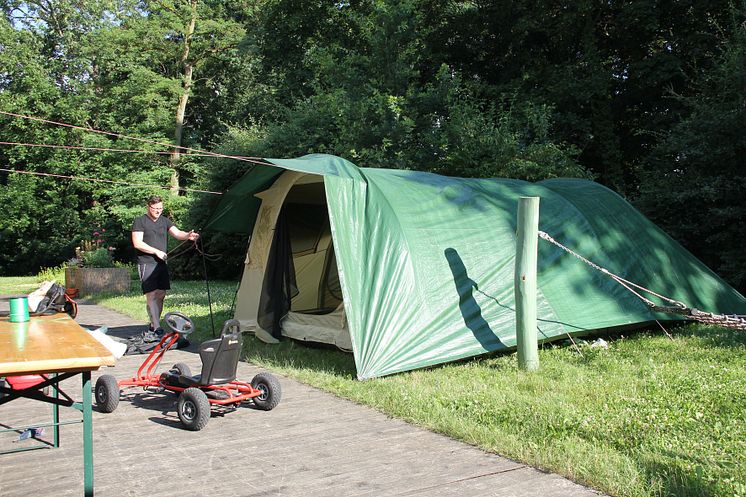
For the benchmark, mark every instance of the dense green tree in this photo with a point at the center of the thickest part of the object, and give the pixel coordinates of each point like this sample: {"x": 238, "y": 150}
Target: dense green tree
{"x": 187, "y": 33}
{"x": 695, "y": 177}
{"x": 358, "y": 80}
{"x": 112, "y": 66}
{"x": 634, "y": 93}
{"x": 27, "y": 232}
{"x": 605, "y": 67}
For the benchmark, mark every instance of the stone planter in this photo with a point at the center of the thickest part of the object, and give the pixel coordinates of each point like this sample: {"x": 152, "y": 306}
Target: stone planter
{"x": 90, "y": 280}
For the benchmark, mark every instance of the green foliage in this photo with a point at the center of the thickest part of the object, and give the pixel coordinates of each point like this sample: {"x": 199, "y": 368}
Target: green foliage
{"x": 645, "y": 97}
{"x": 99, "y": 257}
{"x": 507, "y": 142}
{"x": 368, "y": 95}
{"x": 131, "y": 267}
{"x": 694, "y": 180}
{"x": 34, "y": 231}
{"x": 56, "y": 273}
{"x": 116, "y": 70}
{"x": 605, "y": 67}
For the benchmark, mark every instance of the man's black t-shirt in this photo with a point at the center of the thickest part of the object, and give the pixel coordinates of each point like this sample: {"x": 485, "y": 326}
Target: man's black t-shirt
{"x": 154, "y": 233}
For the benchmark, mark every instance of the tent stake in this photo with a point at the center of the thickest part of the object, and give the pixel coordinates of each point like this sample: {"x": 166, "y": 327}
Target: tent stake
{"x": 527, "y": 238}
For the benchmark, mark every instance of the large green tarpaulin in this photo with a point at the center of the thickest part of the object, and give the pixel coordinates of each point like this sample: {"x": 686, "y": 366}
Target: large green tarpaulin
{"x": 426, "y": 262}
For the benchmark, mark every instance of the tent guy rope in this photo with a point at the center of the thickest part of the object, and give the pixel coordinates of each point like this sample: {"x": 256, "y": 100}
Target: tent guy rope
{"x": 111, "y": 181}
{"x": 254, "y": 160}
{"x": 727, "y": 320}
{"x": 190, "y": 152}
{"x": 120, "y": 135}
{"x": 97, "y": 149}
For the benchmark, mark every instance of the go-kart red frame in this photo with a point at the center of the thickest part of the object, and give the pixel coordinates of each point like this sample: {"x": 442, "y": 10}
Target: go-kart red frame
{"x": 195, "y": 398}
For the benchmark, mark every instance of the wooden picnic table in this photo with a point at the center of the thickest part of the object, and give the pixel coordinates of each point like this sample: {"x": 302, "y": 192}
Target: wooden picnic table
{"x": 59, "y": 348}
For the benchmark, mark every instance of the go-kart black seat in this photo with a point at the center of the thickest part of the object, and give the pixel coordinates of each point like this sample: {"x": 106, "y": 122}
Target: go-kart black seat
{"x": 219, "y": 357}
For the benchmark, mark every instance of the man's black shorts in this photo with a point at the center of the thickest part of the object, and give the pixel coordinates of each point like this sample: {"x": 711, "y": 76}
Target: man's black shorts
{"x": 154, "y": 276}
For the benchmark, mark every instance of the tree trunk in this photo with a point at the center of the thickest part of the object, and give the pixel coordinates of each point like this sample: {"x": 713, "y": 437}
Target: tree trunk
{"x": 186, "y": 85}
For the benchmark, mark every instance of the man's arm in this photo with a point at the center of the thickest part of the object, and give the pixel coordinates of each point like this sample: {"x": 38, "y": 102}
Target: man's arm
{"x": 182, "y": 235}
{"x": 140, "y": 245}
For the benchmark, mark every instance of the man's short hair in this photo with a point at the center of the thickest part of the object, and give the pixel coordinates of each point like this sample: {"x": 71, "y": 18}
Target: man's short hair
{"x": 155, "y": 199}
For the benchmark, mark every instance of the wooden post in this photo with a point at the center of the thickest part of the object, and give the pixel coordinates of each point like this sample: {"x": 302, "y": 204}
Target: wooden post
{"x": 527, "y": 238}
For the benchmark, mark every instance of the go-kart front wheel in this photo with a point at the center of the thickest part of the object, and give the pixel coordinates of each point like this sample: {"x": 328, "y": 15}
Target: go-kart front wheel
{"x": 193, "y": 409}
{"x": 107, "y": 393}
{"x": 271, "y": 393}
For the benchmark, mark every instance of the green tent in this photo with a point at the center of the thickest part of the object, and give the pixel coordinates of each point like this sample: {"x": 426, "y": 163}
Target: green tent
{"x": 410, "y": 269}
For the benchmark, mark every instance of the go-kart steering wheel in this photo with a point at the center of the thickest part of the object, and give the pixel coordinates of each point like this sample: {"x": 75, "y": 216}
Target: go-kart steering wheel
{"x": 178, "y": 323}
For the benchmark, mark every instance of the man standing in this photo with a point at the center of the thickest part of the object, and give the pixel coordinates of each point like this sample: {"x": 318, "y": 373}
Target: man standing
{"x": 149, "y": 237}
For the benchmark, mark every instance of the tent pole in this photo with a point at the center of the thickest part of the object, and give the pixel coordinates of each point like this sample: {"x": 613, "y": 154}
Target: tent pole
{"x": 527, "y": 238}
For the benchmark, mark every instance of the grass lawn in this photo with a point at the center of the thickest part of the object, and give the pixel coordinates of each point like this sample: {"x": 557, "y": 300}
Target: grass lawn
{"x": 18, "y": 285}
{"x": 649, "y": 416}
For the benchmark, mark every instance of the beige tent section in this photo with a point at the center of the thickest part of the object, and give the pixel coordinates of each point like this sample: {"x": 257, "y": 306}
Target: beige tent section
{"x": 316, "y": 311}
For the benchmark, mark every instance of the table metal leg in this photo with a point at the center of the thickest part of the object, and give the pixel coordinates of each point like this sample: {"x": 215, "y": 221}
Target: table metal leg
{"x": 56, "y": 414}
{"x": 87, "y": 435}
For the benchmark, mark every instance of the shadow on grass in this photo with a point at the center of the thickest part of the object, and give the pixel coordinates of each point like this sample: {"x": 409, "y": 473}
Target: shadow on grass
{"x": 714, "y": 336}
{"x": 676, "y": 477}
{"x": 320, "y": 358}
{"x": 709, "y": 336}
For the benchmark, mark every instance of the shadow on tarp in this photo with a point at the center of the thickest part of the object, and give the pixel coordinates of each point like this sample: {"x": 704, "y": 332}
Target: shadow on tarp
{"x": 470, "y": 310}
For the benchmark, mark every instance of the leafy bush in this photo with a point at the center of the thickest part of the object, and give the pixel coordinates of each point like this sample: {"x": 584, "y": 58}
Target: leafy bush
{"x": 132, "y": 268}
{"x": 100, "y": 257}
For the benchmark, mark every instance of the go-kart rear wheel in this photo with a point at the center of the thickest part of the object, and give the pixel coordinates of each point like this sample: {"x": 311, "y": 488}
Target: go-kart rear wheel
{"x": 107, "y": 393}
{"x": 193, "y": 409}
{"x": 270, "y": 389}
{"x": 182, "y": 369}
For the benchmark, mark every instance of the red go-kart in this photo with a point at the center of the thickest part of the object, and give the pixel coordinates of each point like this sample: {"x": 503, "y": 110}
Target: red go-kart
{"x": 215, "y": 386}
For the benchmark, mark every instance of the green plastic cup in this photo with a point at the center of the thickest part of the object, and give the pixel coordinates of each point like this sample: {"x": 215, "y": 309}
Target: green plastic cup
{"x": 19, "y": 310}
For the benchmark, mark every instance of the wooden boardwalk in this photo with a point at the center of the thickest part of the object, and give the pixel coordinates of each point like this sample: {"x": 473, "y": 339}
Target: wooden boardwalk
{"x": 312, "y": 444}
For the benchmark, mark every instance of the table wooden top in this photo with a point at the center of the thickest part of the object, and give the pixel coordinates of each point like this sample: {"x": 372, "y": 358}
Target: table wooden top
{"x": 49, "y": 344}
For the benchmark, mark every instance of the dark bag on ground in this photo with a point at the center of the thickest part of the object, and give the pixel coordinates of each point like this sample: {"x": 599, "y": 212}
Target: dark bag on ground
{"x": 50, "y": 298}
{"x": 148, "y": 340}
